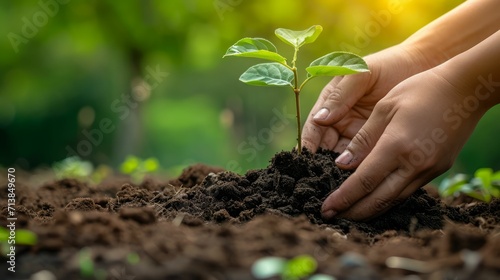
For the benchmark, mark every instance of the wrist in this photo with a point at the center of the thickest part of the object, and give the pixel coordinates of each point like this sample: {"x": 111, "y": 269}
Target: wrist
{"x": 476, "y": 72}
{"x": 477, "y": 90}
{"x": 420, "y": 56}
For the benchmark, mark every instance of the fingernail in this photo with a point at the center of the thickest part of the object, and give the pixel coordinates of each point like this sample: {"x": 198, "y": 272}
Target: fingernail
{"x": 328, "y": 214}
{"x": 345, "y": 158}
{"x": 321, "y": 114}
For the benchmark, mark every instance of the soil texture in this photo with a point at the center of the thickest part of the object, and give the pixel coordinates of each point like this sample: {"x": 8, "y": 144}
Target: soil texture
{"x": 212, "y": 224}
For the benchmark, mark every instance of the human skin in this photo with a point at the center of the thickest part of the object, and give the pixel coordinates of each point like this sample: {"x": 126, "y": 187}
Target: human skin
{"x": 379, "y": 137}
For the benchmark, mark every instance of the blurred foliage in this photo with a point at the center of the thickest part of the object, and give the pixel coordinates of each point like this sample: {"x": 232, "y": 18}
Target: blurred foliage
{"x": 103, "y": 79}
{"x": 21, "y": 237}
{"x": 73, "y": 167}
{"x": 138, "y": 168}
{"x": 484, "y": 186}
{"x": 76, "y": 168}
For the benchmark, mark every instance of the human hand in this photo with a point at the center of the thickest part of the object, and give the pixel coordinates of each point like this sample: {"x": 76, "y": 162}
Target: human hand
{"x": 414, "y": 134}
{"x": 346, "y": 102}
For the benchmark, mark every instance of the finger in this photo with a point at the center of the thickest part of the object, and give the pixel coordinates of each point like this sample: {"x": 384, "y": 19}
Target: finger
{"x": 329, "y": 138}
{"x": 339, "y": 98}
{"x": 369, "y": 175}
{"x": 392, "y": 191}
{"x": 367, "y": 137}
{"x": 341, "y": 145}
{"x": 312, "y": 133}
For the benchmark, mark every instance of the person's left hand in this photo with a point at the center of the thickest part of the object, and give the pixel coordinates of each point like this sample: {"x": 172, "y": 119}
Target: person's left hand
{"x": 414, "y": 134}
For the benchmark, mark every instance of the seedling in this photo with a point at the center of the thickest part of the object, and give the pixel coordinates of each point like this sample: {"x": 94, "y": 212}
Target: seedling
{"x": 280, "y": 73}
{"x": 76, "y": 168}
{"x": 22, "y": 237}
{"x": 297, "y": 268}
{"x": 484, "y": 186}
{"x": 133, "y": 258}
{"x": 73, "y": 167}
{"x": 87, "y": 265}
{"x": 138, "y": 168}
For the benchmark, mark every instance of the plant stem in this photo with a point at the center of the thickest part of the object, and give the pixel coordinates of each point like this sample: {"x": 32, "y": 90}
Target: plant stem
{"x": 294, "y": 57}
{"x": 299, "y": 129}
{"x": 296, "y": 90}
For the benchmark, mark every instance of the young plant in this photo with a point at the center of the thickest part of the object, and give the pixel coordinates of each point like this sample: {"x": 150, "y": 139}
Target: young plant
{"x": 22, "y": 237}
{"x": 138, "y": 168}
{"x": 87, "y": 266}
{"x": 484, "y": 186}
{"x": 297, "y": 268}
{"x": 73, "y": 167}
{"x": 280, "y": 73}
{"x": 76, "y": 168}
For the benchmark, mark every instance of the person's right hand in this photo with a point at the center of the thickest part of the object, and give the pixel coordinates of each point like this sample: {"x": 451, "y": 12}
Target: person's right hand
{"x": 346, "y": 102}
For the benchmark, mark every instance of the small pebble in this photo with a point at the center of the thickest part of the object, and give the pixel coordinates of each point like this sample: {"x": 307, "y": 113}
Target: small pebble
{"x": 43, "y": 275}
{"x": 352, "y": 260}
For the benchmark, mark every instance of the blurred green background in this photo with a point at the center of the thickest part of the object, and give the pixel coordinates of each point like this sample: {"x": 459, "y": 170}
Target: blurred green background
{"x": 104, "y": 79}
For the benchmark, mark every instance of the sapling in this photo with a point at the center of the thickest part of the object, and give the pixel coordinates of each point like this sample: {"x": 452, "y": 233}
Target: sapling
{"x": 280, "y": 73}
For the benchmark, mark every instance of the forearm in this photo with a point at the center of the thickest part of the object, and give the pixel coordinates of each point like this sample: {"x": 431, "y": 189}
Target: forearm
{"x": 476, "y": 72}
{"x": 456, "y": 31}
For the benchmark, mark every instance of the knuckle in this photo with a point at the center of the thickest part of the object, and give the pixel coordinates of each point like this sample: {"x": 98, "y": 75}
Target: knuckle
{"x": 361, "y": 140}
{"x": 385, "y": 203}
{"x": 383, "y": 108}
{"x": 380, "y": 204}
{"x": 345, "y": 202}
{"x": 367, "y": 184}
{"x": 333, "y": 94}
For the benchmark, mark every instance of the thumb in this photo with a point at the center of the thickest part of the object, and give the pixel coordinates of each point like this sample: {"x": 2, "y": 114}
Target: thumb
{"x": 338, "y": 98}
{"x": 365, "y": 139}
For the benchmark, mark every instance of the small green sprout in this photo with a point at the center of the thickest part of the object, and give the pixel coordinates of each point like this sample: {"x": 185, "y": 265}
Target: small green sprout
{"x": 76, "y": 168}
{"x": 484, "y": 186}
{"x": 87, "y": 266}
{"x": 138, "y": 168}
{"x": 22, "y": 237}
{"x": 73, "y": 167}
{"x": 133, "y": 258}
{"x": 297, "y": 268}
{"x": 280, "y": 73}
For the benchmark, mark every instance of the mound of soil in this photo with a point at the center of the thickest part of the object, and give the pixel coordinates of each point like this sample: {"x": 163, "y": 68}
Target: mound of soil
{"x": 212, "y": 224}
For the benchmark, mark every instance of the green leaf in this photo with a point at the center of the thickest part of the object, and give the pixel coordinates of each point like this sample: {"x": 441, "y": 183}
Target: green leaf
{"x": 86, "y": 263}
{"x": 133, "y": 258}
{"x": 255, "y": 47}
{"x": 268, "y": 74}
{"x": 337, "y": 64}
{"x": 496, "y": 176}
{"x": 495, "y": 184}
{"x": 486, "y": 197}
{"x": 130, "y": 165}
{"x": 449, "y": 186}
{"x": 4, "y": 234}
{"x": 151, "y": 165}
{"x": 25, "y": 237}
{"x": 484, "y": 175}
{"x": 300, "y": 266}
{"x": 299, "y": 38}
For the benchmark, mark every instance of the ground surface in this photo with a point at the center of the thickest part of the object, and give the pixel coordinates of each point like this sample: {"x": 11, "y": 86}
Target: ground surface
{"x": 214, "y": 227}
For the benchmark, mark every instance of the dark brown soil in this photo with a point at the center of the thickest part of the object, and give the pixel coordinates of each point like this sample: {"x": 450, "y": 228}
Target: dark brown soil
{"x": 209, "y": 224}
